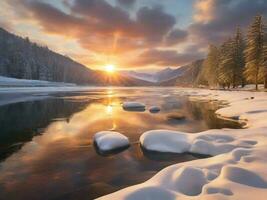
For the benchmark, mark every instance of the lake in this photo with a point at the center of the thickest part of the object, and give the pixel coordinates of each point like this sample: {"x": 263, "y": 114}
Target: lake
{"x": 46, "y": 147}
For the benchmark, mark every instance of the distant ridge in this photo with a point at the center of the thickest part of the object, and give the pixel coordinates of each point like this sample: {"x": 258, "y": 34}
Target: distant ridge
{"x": 188, "y": 77}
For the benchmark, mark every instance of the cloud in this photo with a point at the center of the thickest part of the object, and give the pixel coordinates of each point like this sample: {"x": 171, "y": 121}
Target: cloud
{"x": 108, "y": 29}
{"x": 126, "y": 3}
{"x": 176, "y": 36}
{"x": 216, "y": 20}
{"x": 154, "y": 23}
{"x": 165, "y": 58}
{"x": 104, "y": 28}
{"x": 54, "y": 20}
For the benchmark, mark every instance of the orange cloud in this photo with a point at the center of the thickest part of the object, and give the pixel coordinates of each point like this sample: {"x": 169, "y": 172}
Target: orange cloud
{"x": 204, "y": 10}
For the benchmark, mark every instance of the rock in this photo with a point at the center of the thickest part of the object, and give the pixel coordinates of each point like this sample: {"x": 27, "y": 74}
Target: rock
{"x": 154, "y": 109}
{"x": 176, "y": 116}
{"x": 133, "y": 106}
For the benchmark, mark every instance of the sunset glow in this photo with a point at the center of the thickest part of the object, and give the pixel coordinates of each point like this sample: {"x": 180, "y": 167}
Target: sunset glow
{"x": 110, "y": 68}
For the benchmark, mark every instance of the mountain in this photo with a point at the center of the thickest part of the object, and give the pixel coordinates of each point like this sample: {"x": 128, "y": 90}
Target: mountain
{"x": 188, "y": 75}
{"x": 164, "y": 75}
{"x": 139, "y": 75}
{"x": 22, "y": 59}
{"x": 168, "y": 73}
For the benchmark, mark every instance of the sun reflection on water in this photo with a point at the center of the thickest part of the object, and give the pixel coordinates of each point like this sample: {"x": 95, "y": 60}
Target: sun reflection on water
{"x": 109, "y": 109}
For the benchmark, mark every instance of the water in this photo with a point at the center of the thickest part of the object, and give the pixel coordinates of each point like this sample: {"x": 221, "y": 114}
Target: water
{"x": 46, "y": 148}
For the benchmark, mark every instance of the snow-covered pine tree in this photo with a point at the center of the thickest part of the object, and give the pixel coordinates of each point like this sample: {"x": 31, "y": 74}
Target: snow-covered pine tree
{"x": 254, "y": 51}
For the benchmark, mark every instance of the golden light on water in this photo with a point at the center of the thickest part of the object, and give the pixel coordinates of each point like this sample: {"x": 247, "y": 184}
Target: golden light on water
{"x": 109, "y": 109}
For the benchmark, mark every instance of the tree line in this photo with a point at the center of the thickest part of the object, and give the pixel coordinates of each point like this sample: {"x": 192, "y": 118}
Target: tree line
{"x": 23, "y": 59}
{"x": 239, "y": 60}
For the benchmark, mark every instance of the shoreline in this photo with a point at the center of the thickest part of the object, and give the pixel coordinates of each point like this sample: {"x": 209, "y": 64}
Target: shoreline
{"x": 238, "y": 173}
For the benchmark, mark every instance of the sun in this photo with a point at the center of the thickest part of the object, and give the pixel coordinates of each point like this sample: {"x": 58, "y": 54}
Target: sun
{"x": 110, "y": 68}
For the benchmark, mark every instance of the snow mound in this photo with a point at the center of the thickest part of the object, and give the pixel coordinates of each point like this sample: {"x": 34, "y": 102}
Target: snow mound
{"x": 165, "y": 141}
{"x": 134, "y": 106}
{"x": 189, "y": 180}
{"x": 179, "y": 142}
{"x": 154, "y": 109}
{"x": 110, "y": 140}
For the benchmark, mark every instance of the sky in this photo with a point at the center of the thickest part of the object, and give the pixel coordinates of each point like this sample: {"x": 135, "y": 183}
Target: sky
{"x": 144, "y": 35}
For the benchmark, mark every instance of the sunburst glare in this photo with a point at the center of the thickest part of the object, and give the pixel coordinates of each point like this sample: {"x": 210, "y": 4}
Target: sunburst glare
{"x": 110, "y": 68}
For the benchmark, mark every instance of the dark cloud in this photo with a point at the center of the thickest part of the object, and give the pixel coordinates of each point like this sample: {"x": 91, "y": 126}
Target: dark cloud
{"x": 154, "y": 23}
{"x": 165, "y": 58}
{"x": 54, "y": 20}
{"x": 126, "y": 3}
{"x": 176, "y": 36}
{"x": 225, "y": 16}
{"x": 102, "y": 16}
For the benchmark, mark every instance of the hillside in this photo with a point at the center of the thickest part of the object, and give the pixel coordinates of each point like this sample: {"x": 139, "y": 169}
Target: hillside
{"x": 157, "y": 77}
{"x": 187, "y": 77}
{"x": 22, "y": 59}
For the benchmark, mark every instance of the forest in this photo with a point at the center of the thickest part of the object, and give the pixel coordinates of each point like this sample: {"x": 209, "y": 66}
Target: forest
{"x": 23, "y": 59}
{"x": 239, "y": 60}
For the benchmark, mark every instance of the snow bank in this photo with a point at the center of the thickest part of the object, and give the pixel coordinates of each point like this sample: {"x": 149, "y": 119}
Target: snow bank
{"x": 165, "y": 141}
{"x": 212, "y": 142}
{"x": 237, "y": 169}
{"x": 110, "y": 140}
{"x": 133, "y": 106}
{"x": 7, "y": 81}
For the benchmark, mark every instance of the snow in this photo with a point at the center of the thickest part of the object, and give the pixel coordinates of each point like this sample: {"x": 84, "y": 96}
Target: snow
{"x": 237, "y": 168}
{"x": 165, "y": 141}
{"x": 134, "y": 106}
{"x": 154, "y": 109}
{"x": 110, "y": 140}
{"x": 7, "y": 81}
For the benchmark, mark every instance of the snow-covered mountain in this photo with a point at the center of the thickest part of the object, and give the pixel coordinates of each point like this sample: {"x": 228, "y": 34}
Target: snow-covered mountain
{"x": 140, "y": 75}
{"x": 186, "y": 75}
{"x": 168, "y": 73}
{"x": 159, "y": 76}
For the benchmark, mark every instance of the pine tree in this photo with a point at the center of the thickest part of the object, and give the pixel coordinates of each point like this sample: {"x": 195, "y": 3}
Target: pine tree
{"x": 254, "y": 51}
{"x": 210, "y": 66}
{"x": 226, "y": 64}
{"x": 238, "y": 58}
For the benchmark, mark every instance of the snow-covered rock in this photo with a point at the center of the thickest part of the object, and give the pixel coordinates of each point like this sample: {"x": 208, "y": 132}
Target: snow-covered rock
{"x": 165, "y": 141}
{"x": 154, "y": 109}
{"x": 110, "y": 140}
{"x": 134, "y": 106}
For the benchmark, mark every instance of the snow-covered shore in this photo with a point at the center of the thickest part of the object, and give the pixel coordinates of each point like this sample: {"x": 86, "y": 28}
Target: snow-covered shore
{"x": 14, "y": 82}
{"x": 237, "y": 169}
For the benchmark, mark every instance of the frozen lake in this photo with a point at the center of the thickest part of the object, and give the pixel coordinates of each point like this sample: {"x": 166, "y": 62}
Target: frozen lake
{"x": 46, "y": 147}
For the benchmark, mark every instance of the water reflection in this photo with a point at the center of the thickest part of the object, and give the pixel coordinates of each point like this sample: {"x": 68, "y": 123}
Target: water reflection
{"x": 20, "y": 122}
{"x": 57, "y": 158}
